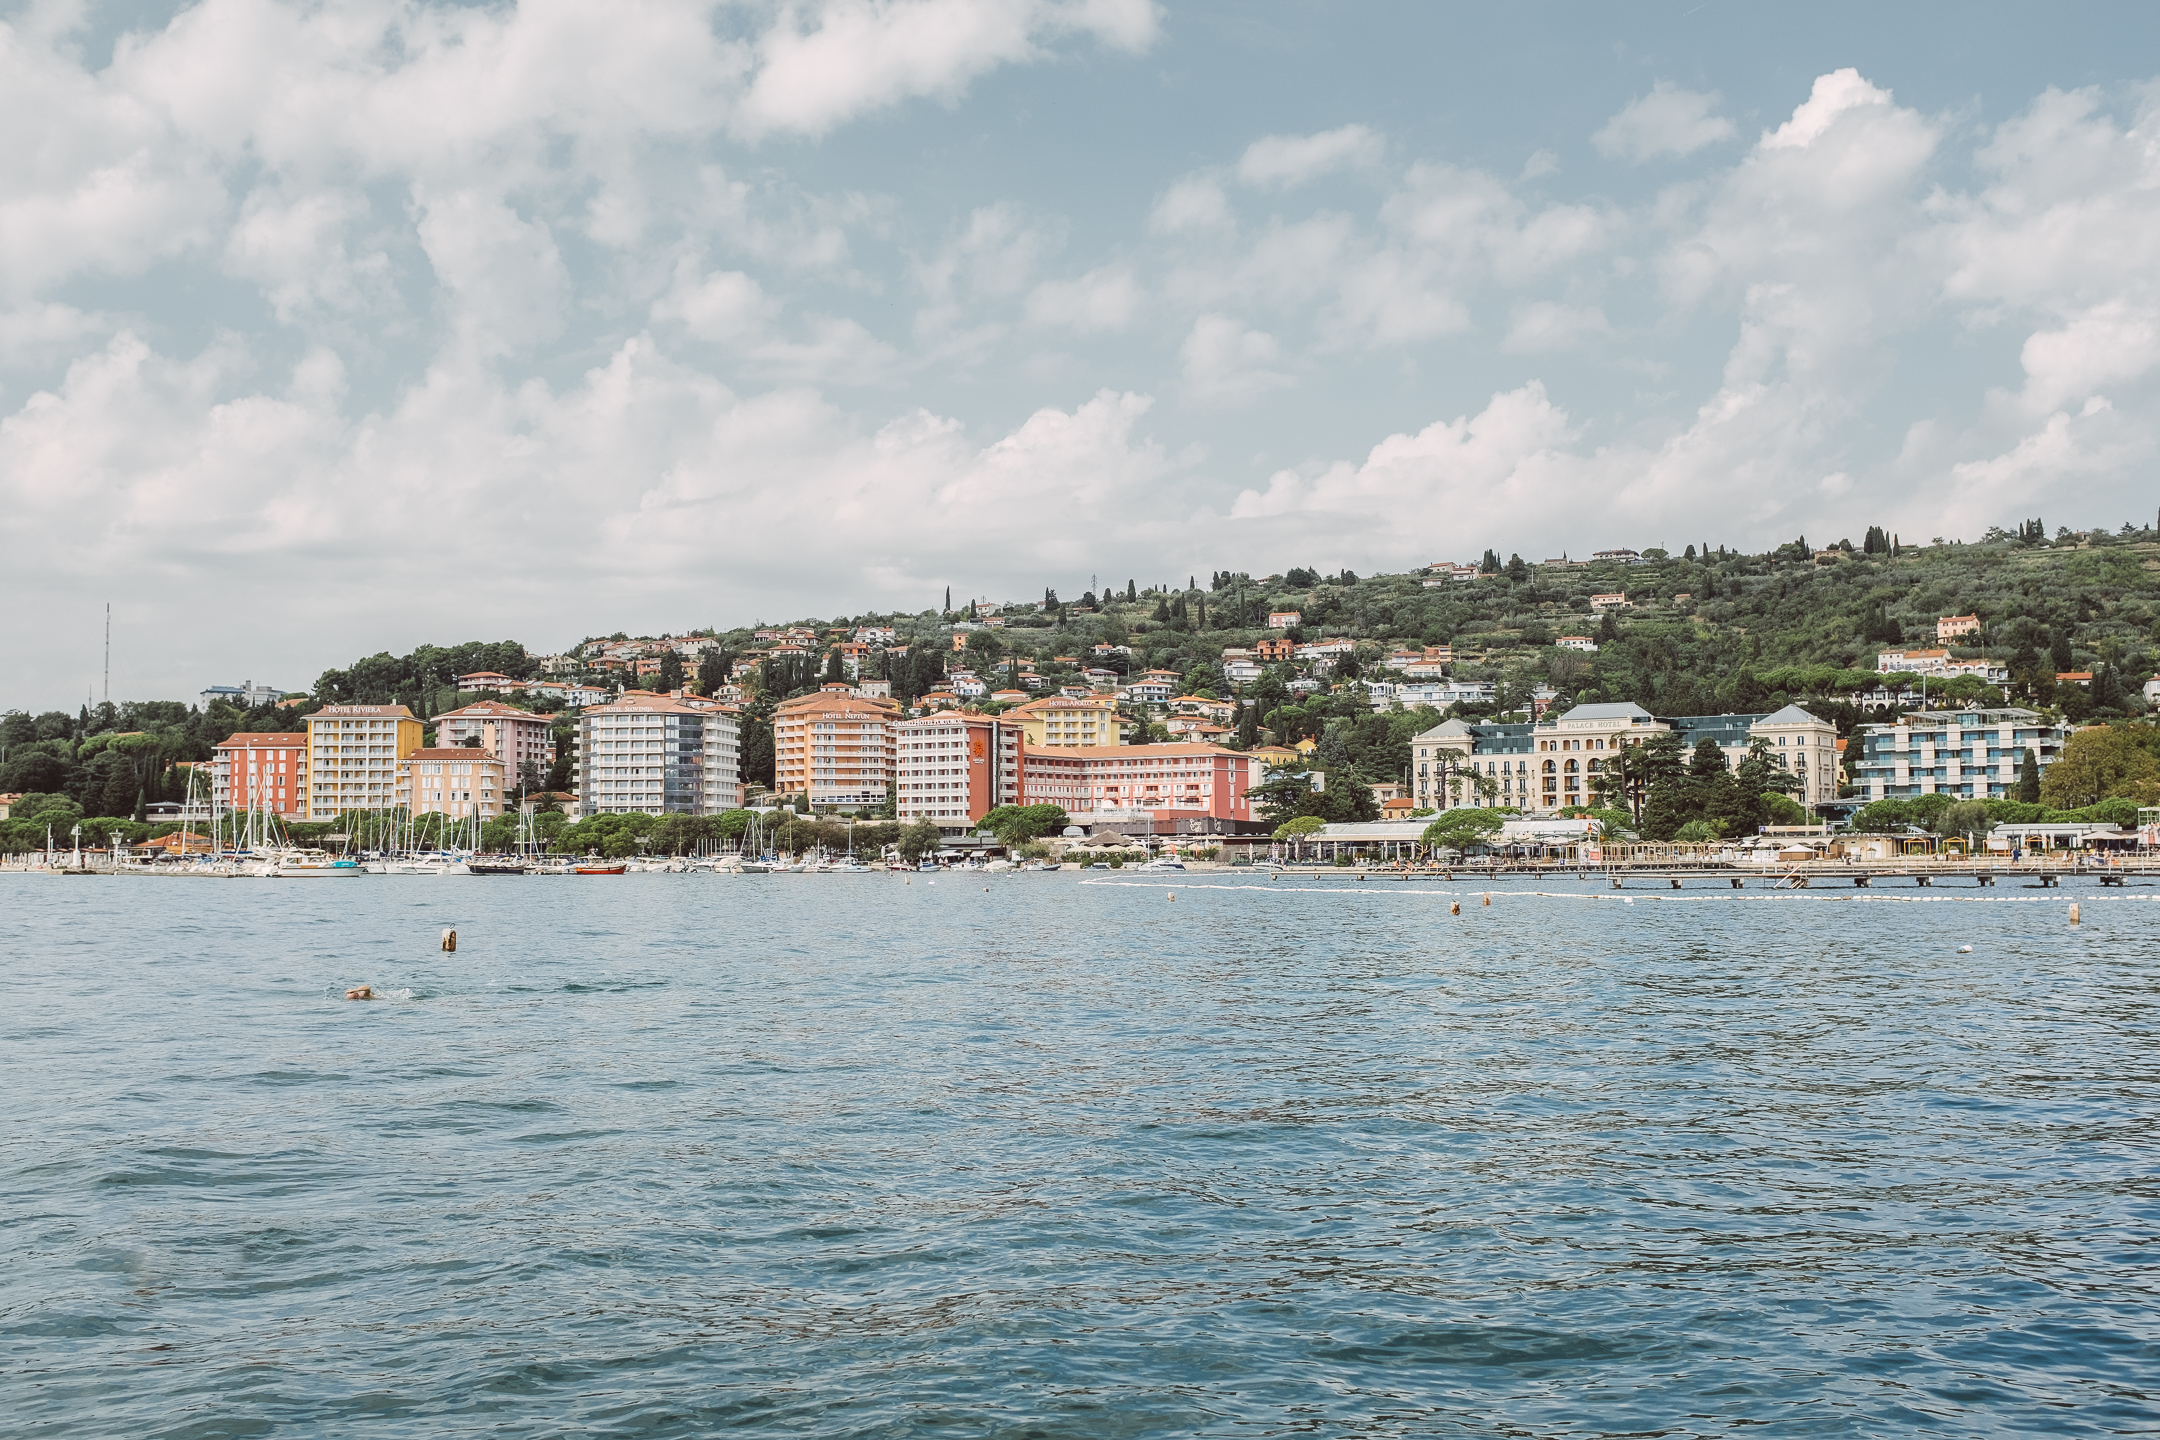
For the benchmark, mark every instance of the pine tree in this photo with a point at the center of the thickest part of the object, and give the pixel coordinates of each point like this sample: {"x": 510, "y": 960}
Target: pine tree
{"x": 2028, "y": 788}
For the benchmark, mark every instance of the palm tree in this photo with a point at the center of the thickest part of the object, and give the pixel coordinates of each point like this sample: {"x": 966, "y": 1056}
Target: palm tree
{"x": 1454, "y": 767}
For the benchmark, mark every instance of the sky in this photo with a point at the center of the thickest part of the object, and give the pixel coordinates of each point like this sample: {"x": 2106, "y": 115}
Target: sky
{"x": 354, "y": 325}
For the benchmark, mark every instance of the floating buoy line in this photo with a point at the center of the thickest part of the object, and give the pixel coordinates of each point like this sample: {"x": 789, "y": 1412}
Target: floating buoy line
{"x": 1706, "y": 897}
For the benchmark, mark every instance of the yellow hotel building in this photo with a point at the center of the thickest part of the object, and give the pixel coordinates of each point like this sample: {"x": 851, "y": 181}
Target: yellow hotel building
{"x": 352, "y": 757}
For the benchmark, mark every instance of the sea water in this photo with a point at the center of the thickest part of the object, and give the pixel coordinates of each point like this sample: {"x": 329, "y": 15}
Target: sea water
{"x": 1031, "y": 1155}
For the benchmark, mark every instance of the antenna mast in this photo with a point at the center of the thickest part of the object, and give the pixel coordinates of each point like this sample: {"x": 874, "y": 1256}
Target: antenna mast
{"x": 108, "y": 652}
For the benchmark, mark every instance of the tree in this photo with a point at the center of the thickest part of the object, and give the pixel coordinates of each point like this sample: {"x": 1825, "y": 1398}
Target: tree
{"x": 712, "y": 671}
{"x": 671, "y": 672}
{"x": 1299, "y": 825}
{"x": 1627, "y": 776}
{"x": 1018, "y": 824}
{"x": 2028, "y": 789}
{"x": 1282, "y": 795}
{"x": 2099, "y": 763}
{"x": 1455, "y": 770}
{"x": 918, "y": 839}
{"x": 1667, "y": 795}
{"x": 1460, "y": 829}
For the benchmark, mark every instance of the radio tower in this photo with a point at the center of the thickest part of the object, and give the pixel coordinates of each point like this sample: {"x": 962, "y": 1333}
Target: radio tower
{"x": 108, "y": 652}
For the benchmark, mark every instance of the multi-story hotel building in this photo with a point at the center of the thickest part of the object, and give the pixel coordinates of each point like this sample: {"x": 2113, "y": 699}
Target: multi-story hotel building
{"x": 518, "y": 738}
{"x": 1167, "y": 783}
{"x": 1060, "y": 720}
{"x": 1973, "y": 754}
{"x": 456, "y": 780}
{"x": 1555, "y": 763}
{"x": 658, "y": 756}
{"x": 352, "y": 757}
{"x": 836, "y": 746}
{"x": 953, "y": 768}
{"x": 265, "y": 771}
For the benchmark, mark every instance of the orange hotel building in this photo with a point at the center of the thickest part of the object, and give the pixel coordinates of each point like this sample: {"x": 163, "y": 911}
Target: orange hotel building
{"x": 835, "y": 745}
{"x": 262, "y": 771}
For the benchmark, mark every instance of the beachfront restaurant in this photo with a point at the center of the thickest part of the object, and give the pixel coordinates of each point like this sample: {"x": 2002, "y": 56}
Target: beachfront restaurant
{"x": 2033, "y": 839}
{"x": 1392, "y": 842}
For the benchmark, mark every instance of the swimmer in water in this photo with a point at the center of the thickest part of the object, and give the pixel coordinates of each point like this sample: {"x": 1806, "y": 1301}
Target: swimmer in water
{"x": 361, "y": 992}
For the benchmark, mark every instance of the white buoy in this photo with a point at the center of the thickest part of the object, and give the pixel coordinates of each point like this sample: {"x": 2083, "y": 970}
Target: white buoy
{"x": 1964, "y": 949}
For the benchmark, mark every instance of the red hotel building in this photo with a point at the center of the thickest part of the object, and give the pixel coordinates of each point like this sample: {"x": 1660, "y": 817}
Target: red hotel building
{"x": 955, "y": 767}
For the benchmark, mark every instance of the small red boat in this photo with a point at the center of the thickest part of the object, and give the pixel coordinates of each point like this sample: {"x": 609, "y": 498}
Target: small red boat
{"x": 597, "y": 870}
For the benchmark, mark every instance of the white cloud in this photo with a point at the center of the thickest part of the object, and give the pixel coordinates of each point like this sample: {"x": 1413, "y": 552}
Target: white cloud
{"x": 1286, "y": 160}
{"x": 39, "y": 333}
{"x": 821, "y": 65}
{"x": 1194, "y": 203}
{"x": 1101, "y": 300}
{"x": 295, "y": 247}
{"x": 1834, "y": 95}
{"x": 1667, "y": 121}
{"x": 144, "y": 471}
{"x": 2105, "y": 345}
{"x": 725, "y": 307}
{"x": 505, "y": 280}
{"x": 1225, "y": 361}
{"x": 1545, "y": 326}
{"x": 1459, "y": 477}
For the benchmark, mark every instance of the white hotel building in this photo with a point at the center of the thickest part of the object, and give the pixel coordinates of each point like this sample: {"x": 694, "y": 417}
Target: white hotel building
{"x": 658, "y": 756}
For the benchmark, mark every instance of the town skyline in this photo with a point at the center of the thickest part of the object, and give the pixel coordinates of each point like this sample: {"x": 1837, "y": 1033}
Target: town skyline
{"x": 299, "y": 676}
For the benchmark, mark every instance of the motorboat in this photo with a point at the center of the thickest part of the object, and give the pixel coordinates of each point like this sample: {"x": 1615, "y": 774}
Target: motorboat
{"x": 310, "y": 864}
{"x": 599, "y": 867}
{"x": 1165, "y": 862}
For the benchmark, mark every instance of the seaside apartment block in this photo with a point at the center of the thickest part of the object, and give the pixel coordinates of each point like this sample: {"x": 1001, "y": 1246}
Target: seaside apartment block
{"x": 655, "y": 755}
{"x": 352, "y": 757}
{"x": 1557, "y": 762}
{"x": 460, "y": 781}
{"x": 518, "y": 738}
{"x": 1972, "y": 754}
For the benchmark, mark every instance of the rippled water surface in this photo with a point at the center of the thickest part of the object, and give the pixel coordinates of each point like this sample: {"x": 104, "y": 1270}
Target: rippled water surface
{"x": 848, "y": 1156}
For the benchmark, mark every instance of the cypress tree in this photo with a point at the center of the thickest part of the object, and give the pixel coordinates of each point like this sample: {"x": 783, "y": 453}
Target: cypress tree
{"x": 2028, "y": 788}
